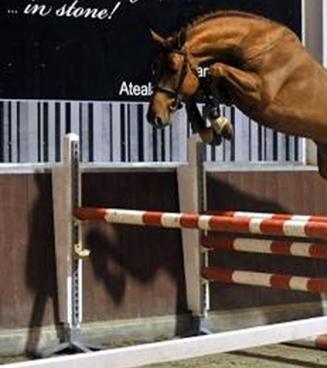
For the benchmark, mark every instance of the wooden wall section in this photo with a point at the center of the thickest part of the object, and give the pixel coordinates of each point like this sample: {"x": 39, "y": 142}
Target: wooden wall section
{"x": 136, "y": 272}
{"x": 132, "y": 272}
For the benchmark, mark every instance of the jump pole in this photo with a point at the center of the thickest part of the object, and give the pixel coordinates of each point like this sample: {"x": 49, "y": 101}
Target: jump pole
{"x": 264, "y": 279}
{"x": 271, "y": 216}
{"x": 215, "y": 223}
{"x": 290, "y": 248}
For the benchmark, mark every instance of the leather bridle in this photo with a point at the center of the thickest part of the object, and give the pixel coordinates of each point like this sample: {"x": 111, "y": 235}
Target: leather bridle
{"x": 176, "y": 92}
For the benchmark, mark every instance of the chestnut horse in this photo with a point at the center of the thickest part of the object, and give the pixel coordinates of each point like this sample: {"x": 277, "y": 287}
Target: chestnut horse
{"x": 255, "y": 63}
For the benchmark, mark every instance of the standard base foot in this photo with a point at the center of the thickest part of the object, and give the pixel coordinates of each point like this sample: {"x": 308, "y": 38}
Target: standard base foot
{"x": 71, "y": 347}
{"x": 197, "y": 328}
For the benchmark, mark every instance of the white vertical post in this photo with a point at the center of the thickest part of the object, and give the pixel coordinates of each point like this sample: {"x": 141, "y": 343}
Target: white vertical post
{"x": 190, "y": 185}
{"x": 66, "y": 187}
{"x": 66, "y": 195}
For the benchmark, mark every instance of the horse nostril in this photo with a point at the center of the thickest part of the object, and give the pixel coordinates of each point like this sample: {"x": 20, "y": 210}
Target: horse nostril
{"x": 153, "y": 119}
{"x": 158, "y": 122}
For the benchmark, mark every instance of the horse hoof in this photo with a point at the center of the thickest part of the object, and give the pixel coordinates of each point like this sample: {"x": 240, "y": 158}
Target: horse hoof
{"x": 222, "y": 126}
{"x": 228, "y": 132}
{"x": 219, "y": 124}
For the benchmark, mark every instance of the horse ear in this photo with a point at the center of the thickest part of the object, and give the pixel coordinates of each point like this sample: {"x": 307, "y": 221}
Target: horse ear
{"x": 159, "y": 40}
{"x": 181, "y": 39}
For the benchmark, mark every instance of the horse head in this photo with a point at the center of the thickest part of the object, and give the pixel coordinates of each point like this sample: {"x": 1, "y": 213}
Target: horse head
{"x": 175, "y": 80}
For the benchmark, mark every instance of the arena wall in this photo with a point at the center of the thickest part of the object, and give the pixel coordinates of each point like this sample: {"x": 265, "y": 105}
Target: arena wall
{"x": 136, "y": 274}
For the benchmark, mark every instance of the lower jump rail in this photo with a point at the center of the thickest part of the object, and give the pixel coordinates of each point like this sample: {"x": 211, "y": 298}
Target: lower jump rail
{"x": 274, "y": 281}
{"x": 231, "y": 243}
{"x": 242, "y": 225}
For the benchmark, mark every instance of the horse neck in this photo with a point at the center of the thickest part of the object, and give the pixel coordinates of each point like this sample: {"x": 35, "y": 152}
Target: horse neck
{"x": 208, "y": 41}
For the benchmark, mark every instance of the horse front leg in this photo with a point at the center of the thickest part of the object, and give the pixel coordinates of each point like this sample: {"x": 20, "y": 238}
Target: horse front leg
{"x": 215, "y": 95}
{"x": 221, "y": 125}
{"x": 198, "y": 124}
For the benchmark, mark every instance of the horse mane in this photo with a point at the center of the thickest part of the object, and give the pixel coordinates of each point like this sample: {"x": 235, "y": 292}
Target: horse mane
{"x": 226, "y": 13}
{"x": 175, "y": 38}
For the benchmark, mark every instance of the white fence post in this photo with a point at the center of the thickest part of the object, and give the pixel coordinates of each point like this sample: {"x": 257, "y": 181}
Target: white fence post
{"x": 190, "y": 186}
{"x": 66, "y": 186}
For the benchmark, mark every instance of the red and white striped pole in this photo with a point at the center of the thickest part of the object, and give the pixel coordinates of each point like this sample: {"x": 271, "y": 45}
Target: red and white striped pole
{"x": 274, "y": 281}
{"x": 244, "y": 225}
{"x": 232, "y": 243}
{"x": 271, "y": 216}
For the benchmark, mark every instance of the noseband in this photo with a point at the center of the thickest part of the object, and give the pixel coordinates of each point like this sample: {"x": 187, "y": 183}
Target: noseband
{"x": 176, "y": 93}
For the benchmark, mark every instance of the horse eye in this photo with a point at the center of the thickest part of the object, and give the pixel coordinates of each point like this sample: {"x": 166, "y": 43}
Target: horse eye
{"x": 173, "y": 64}
{"x": 172, "y": 67}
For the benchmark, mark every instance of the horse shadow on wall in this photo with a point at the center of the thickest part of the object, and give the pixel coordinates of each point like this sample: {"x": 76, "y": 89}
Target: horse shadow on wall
{"x": 136, "y": 271}
{"x": 40, "y": 265}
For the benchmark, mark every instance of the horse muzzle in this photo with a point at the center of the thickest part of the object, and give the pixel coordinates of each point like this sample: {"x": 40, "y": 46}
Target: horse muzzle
{"x": 156, "y": 121}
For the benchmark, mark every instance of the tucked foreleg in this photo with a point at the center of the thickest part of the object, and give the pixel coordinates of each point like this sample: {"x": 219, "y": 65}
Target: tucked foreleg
{"x": 198, "y": 124}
